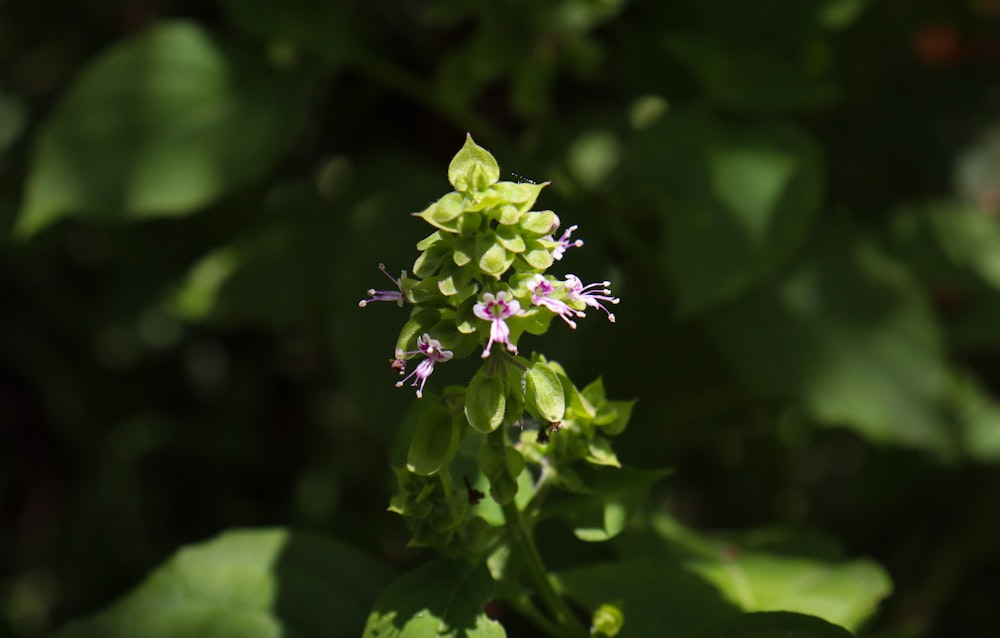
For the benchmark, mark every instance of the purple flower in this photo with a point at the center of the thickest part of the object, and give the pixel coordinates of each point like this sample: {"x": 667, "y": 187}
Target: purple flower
{"x": 431, "y": 348}
{"x": 541, "y": 291}
{"x": 496, "y": 309}
{"x": 564, "y": 243}
{"x": 386, "y": 295}
{"x": 591, "y": 294}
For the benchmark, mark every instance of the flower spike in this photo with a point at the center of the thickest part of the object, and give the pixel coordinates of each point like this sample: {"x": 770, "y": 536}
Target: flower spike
{"x": 591, "y": 294}
{"x": 496, "y": 309}
{"x": 430, "y": 348}
{"x": 386, "y": 295}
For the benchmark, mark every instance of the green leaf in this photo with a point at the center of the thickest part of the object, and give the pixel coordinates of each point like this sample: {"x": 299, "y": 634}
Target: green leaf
{"x": 747, "y": 77}
{"x": 758, "y": 576}
{"x": 445, "y": 597}
{"x": 658, "y": 600}
{"x": 434, "y": 441}
{"x": 544, "y": 392}
{"x": 737, "y": 201}
{"x": 849, "y": 335}
{"x": 159, "y": 125}
{"x": 485, "y": 401}
{"x": 970, "y": 238}
{"x": 248, "y": 583}
{"x": 473, "y": 169}
{"x": 774, "y": 624}
{"x": 611, "y": 498}
{"x": 325, "y": 29}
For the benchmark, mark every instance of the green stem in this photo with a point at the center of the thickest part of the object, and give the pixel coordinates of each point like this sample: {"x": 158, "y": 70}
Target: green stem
{"x": 526, "y": 551}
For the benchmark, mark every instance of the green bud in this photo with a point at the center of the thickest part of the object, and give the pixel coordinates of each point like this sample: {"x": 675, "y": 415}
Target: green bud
{"x": 473, "y": 168}
{"x": 544, "y": 392}
{"x": 434, "y": 441}
{"x": 608, "y": 619}
{"x": 485, "y": 401}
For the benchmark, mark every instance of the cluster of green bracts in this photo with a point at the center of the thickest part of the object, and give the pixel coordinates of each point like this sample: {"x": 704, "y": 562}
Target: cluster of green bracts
{"x": 520, "y": 429}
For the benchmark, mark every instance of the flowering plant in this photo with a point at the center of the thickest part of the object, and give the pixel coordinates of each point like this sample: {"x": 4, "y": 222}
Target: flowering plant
{"x": 520, "y": 433}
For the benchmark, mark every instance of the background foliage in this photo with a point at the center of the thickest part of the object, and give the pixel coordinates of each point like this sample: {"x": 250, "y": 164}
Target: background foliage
{"x": 797, "y": 201}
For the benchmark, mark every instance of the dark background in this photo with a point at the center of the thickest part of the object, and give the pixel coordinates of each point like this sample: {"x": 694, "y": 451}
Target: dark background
{"x": 167, "y": 372}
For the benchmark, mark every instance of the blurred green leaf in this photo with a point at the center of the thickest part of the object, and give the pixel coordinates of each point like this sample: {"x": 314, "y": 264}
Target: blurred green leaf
{"x": 325, "y": 29}
{"x": 978, "y": 414}
{"x": 248, "y": 583}
{"x": 445, "y": 597}
{"x": 847, "y": 333}
{"x": 610, "y": 498}
{"x": 658, "y": 600}
{"x": 737, "y": 200}
{"x": 969, "y": 238}
{"x": 776, "y": 24}
{"x": 162, "y": 124}
{"x": 750, "y": 78}
{"x": 774, "y": 624}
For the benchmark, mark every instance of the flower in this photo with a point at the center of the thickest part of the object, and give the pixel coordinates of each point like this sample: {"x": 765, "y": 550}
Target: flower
{"x": 496, "y": 309}
{"x": 564, "y": 243}
{"x": 591, "y": 294}
{"x": 431, "y": 348}
{"x": 386, "y": 295}
{"x": 541, "y": 291}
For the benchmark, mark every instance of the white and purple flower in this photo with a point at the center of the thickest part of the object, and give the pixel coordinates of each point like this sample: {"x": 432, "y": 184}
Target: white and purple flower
{"x": 386, "y": 295}
{"x": 541, "y": 295}
{"x": 565, "y": 242}
{"x": 432, "y": 350}
{"x": 591, "y": 294}
{"x": 497, "y": 309}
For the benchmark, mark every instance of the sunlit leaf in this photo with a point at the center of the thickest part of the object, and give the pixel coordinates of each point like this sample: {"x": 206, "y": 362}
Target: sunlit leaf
{"x": 441, "y": 598}
{"x": 248, "y": 583}
{"x": 757, "y": 576}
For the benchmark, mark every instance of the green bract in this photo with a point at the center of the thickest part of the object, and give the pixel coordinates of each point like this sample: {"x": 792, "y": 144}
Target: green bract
{"x": 473, "y": 169}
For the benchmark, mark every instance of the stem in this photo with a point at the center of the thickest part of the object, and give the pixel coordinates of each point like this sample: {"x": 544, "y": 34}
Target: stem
{"x": 525, "y": 549}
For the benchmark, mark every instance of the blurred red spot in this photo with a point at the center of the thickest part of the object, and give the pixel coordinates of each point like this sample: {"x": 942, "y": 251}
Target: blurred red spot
{"x": 938, "y": 45}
